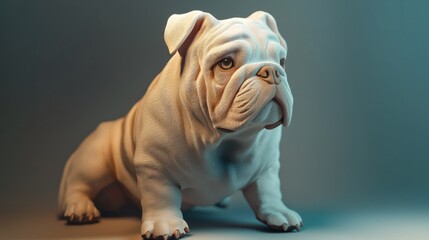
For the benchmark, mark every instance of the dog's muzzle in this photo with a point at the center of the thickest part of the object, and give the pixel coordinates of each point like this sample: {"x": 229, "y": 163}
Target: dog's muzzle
{"x": 272, "y": 75}
{"x": 269, "y": 74}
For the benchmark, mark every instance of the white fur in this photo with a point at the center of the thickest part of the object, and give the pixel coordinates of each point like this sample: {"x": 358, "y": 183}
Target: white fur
{"x": 199, "y": 134}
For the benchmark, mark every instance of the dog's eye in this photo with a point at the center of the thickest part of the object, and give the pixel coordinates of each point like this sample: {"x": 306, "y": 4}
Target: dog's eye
{"x": 226, "y": 63}
{"x": 282, "y": 62}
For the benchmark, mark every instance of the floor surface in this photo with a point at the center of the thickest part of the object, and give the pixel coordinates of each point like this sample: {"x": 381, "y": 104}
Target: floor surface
{"x": 231, "y": 223}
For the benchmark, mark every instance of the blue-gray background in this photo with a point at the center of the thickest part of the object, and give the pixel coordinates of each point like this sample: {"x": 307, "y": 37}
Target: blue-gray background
{"x": 358, "y": 71}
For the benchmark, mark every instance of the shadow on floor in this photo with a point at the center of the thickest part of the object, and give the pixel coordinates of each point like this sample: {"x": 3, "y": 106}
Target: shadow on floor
{"x": 214, "y": 218}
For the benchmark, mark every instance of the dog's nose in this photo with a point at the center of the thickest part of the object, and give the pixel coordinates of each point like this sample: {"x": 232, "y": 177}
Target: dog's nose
{"x": 269, "y": 74}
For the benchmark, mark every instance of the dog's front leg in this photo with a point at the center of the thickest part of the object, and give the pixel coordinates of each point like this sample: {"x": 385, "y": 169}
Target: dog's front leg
{"x": 265, "y": 198}
{"x": 160, "y": 200}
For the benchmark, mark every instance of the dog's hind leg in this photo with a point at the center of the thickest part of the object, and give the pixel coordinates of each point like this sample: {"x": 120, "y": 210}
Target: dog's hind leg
{"x": 88, "y": 170}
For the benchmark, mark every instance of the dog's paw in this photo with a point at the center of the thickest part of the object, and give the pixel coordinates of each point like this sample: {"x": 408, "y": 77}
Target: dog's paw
{"x": 224, "y": 203}
{"x": 163, "y": 226}
{"x": 81, "y": 211}
{"x": 285, "y": 219}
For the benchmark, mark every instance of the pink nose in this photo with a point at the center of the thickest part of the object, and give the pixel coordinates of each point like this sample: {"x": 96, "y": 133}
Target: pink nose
{"x": 269, "y": 74}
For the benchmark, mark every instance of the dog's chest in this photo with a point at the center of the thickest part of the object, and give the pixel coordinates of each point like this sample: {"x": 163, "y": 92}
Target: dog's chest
{"x": 221, "y": 172}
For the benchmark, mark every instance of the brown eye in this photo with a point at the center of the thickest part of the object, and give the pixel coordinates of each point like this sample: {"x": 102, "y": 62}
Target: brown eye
{"x": 226, "y": 63}
{"x": 282, "y": 62}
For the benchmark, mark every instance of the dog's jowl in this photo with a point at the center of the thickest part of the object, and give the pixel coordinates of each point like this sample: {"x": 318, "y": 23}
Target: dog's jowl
{"x": 209, "y": 125}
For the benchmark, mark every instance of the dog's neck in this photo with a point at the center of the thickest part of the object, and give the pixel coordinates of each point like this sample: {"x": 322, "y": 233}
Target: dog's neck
{"x": 195, "y": 117}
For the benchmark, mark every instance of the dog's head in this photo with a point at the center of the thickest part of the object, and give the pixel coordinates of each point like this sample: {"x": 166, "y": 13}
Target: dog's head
{"x": 233, "y": 69}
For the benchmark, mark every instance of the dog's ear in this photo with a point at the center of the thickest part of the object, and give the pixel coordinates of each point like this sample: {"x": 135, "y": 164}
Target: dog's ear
{"x": 182, "y": 28}
{"x": 270, "y": 22}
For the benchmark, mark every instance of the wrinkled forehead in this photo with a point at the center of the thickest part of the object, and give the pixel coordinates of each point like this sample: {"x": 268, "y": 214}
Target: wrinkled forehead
{"x": 241, "y": 34}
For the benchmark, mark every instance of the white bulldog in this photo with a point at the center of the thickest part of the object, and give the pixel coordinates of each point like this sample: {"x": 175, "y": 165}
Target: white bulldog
{"x": 206, "y": 128}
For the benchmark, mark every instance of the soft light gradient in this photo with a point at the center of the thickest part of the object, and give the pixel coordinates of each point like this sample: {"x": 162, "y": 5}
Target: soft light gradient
{"x": 356, "y": 149}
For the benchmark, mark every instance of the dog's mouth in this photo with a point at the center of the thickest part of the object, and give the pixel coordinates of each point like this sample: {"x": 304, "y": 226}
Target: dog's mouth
{"x": 274, "y": 125}
{"x": 282, "y": 119}
{"x": 255, "y": 105}
{"x": 271, "y": 115}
